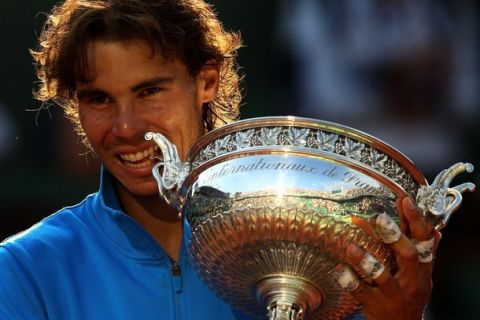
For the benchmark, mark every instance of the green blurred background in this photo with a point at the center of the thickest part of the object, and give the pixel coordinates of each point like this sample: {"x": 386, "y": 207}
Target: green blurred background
{"x": 304, "y": 57}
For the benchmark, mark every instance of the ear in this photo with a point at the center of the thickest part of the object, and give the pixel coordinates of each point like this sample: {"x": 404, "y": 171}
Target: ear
{"x": 208, "y": 81}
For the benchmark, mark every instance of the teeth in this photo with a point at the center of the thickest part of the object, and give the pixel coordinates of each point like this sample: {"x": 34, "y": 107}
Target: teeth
{"x": 139, "y": 165}
{"x": 140, "y": 155}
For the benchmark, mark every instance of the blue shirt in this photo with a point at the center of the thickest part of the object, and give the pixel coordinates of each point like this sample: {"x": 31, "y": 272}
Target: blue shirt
{"x": 93, "y": 261}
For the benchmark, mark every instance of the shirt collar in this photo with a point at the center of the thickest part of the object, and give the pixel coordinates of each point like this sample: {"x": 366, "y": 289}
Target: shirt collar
{"x": 126, "y": 234}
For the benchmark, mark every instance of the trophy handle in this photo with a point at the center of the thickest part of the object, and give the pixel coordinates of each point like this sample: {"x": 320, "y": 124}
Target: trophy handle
{"x": 438, "y": 201}
{"x": 174, "y": 170}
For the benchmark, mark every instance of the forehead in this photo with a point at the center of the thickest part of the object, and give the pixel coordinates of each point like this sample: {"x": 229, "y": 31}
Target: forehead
{"x": 124, "y": 60}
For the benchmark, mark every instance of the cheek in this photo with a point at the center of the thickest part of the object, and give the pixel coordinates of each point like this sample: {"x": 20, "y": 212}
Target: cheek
{"x": 194, "y": 118}
{"x": 183, "y": 115}
{"x": 195, "y": 112}
{"x": 94, "y": 125}
{"x": 185, "y": 129}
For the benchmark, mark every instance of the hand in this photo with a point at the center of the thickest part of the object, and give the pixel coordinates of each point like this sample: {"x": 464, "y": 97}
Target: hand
{"x": 403, "y": 295}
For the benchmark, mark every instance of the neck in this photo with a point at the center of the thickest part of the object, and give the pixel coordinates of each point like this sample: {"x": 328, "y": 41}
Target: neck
{"x": 159, "y": 219}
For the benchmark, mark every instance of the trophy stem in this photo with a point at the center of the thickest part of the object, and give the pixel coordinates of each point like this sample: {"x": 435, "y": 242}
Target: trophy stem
{"x": 282, "y": 311}
{"x": 287, "y": 297}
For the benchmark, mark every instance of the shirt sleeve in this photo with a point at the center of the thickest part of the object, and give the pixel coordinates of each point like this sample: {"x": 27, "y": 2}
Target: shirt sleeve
{"x": 19, "y": 295}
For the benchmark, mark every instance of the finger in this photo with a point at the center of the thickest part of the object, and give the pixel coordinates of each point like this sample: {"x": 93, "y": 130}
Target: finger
{"x": 403, "y": 221}
{"x": 380, "y": 274}
{"x": 420, "y": 230}
{"x": 349, "y": 282}
{"x": 364, "y": 225}
{"x": 405, "y": 251}
{"x": 438, "y": 236}
{"x": 370, "y": 266}
{"x": 428, "y": 267}
{"x": 424, "y": 238}
{"x": 386, "y": 228}
{"x": 410, "y": 260}
{"x": 411, "y": 270}
{"x": 346, "y": 278}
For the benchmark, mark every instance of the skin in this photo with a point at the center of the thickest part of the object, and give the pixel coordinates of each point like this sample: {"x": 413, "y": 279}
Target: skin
{"x": 130, "y": 92}
{"x": 405, "y": 294}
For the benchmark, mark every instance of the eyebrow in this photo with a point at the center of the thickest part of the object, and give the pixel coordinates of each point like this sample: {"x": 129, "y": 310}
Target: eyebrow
{"x": 86, "y": 93}
{"x": 151, "y": 83}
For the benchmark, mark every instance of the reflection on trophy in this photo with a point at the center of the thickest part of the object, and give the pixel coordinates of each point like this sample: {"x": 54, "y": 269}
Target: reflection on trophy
{"x": 270, "y": 205}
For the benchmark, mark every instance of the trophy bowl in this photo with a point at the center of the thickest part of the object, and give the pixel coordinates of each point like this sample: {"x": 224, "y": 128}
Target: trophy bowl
{"x": 270, "y": 205}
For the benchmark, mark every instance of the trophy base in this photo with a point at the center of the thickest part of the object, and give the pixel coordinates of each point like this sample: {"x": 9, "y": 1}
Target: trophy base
{"x": 288, "y": 297}
{"x": 279, "y": 259}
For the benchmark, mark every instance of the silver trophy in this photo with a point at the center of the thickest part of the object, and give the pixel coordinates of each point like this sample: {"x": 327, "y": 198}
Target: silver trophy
{"x": 270, "y": 205}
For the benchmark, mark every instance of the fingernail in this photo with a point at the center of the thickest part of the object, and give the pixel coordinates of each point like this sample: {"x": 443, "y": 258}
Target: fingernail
{"x": 347, "y": 279}
{"x": 387, "y": 229}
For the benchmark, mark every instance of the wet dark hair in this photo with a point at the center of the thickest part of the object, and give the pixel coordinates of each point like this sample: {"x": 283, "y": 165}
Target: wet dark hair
{"x": 183, "y": 29}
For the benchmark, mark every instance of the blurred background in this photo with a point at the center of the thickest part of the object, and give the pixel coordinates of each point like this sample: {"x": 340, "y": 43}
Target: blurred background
{"x": 405, "y": 71}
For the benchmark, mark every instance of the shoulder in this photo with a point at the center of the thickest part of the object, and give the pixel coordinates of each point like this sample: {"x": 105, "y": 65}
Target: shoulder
{"x": 52, "y": 233}
{"x": 29, "y": 259}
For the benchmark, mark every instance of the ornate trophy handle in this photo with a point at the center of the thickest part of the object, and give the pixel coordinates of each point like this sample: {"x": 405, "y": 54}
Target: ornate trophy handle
{"x": 174, "y": 170}
{"x": 438, "y": 201}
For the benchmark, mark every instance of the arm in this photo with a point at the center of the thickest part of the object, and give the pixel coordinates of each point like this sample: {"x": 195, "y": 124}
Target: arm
{"x": 19, "y": 296}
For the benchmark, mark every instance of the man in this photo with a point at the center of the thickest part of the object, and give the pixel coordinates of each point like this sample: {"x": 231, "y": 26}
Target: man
{"x": 121, "y": 68}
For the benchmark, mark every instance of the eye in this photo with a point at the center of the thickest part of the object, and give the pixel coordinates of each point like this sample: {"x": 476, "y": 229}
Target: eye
{"x": 94, "y": 98}
{"x": 150, "y": 91}
{"x": 99, "y": 100}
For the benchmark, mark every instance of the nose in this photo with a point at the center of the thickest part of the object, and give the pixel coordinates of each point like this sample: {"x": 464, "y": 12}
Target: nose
{"x": 128, "y": 124}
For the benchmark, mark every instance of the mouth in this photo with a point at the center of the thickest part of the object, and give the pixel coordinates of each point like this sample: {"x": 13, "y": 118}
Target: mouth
{"x": 141, "y": 159}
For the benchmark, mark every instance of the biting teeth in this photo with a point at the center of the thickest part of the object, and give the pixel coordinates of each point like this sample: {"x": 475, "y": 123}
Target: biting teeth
{"x": 140, "y": 155}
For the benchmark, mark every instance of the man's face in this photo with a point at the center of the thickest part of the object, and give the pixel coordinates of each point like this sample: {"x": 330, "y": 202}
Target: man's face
{"x": 132, "y": 92}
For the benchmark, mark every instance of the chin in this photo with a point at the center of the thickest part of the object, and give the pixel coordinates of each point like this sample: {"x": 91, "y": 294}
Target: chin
{"x": 141, "y": 189}
{"x": 145, "y": 192}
